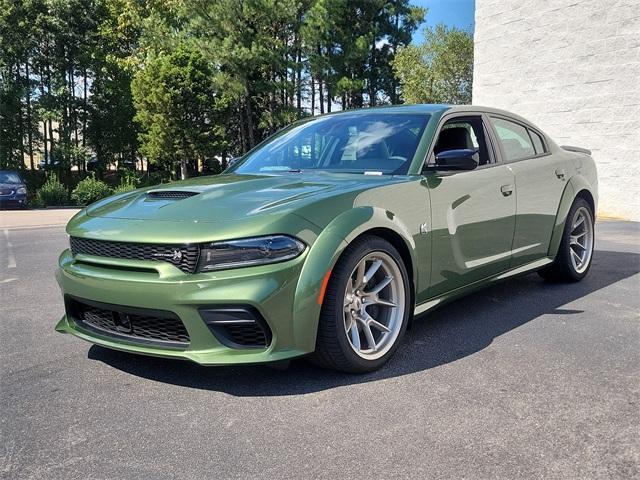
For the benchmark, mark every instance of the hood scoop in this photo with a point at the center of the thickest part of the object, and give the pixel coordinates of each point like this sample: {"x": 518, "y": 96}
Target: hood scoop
{"x": 170, "y": 194}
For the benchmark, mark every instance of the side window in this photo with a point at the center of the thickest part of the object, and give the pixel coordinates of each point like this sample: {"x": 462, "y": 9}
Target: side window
{"x": 537, "y": 143}
{"x": 514, "y": 138}
{"x": 464, "y": 133}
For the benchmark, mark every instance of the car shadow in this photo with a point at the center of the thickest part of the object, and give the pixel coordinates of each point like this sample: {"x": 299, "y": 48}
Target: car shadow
{"x": 445, "y": 335}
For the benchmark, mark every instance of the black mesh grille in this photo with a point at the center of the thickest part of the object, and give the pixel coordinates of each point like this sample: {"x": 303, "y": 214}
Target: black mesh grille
{"x": 237, "y": 326}
{"x": 185, "y": 257}
{"x": 248, "y": 335}
{"x": 171, "y": 194}
{"x": 142, "y": 325}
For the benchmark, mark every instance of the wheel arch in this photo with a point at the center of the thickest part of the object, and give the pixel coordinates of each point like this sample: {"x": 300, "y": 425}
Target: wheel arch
{"x": 577, "y": 187}
{"x": 326, "y": 252}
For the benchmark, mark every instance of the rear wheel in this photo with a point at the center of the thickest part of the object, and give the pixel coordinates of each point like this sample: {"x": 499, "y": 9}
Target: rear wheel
{"x": 574, "y": 256}
{"x": 365, "y": 309}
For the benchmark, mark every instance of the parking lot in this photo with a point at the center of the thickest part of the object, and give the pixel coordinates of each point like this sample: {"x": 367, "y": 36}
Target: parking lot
{"x": 526, "y": 379}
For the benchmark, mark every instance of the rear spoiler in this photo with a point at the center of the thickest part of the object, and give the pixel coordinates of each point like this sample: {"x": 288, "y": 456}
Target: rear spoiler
{"x": 576, "y": 149}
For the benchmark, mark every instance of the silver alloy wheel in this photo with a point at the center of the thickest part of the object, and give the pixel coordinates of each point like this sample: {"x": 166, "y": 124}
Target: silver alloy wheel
{"x": 374, "y": 303}
{"x": 581, "y": 239}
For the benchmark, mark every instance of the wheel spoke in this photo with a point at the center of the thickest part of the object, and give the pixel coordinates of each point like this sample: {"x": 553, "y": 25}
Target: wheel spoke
{"x": 578, "y": 222}
{"x": 573, "y": 240}
{"x": 577, "y": 258}
{"x": 376, "y": 324}
{"x": 385, "y": 281}
{"x": 369, "y": 336}
{"x": 355, "y": 335}
{"x": 359, "y": 276}
{"x": 371, "y": 271}
{"x": 386, "y": 303}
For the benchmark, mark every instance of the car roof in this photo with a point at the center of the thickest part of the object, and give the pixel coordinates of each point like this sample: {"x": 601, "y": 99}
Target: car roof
{"x": 432, "y": 108}
{"x": 428, "y": 108}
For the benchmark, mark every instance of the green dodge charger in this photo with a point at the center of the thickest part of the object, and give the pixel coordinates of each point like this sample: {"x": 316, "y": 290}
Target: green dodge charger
{"x": 327, "y": 238}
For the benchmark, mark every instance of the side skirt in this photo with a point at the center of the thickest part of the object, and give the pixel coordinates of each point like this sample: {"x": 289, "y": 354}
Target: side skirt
{"x": 480, "y": 284}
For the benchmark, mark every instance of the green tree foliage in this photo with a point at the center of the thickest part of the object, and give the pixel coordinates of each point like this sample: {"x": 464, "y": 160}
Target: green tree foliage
{"x": 176, "y": 102}
{"x": 438, "y": 71}
{"x": 188, "y": 84}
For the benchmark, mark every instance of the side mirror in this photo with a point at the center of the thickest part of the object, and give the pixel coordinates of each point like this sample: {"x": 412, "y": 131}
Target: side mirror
{"x": 462, "y": 159}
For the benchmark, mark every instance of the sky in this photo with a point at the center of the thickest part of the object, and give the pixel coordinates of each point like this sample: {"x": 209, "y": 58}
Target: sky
{"x": 453, "y": 13}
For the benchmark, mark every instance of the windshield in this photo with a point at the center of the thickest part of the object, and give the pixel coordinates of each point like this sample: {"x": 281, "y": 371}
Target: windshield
{"x": 379, "y": 143}
{"x": 9, "y": 177}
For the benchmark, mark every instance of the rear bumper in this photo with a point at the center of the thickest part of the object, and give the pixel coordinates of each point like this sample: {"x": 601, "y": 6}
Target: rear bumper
{"x": 269, "y": 289}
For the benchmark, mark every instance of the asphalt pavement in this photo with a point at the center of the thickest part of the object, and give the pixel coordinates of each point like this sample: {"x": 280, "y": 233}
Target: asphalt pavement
{"x": 526, "y": 379}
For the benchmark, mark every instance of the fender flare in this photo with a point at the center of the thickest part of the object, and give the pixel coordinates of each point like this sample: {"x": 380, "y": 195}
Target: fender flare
{"x": 575, "y": 185}
{"x": 322, "y": 257}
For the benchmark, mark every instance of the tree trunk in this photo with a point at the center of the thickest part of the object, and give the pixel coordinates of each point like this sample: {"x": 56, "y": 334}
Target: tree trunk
{"x": 249, "y": 113}
{"x": 84, "y": 107}
{"x": 299, "y": 78}
{"x": 241, "y": 131}
{"x": 20, "y": 165}
{"x": 313, "y": 96}
{"x": 372, "y": 75}
{"x": 183, "y": 168}
{"x": 320, "y": 75}
{"x": 44, "y": 121}
{"x": 44, "y": 141}
{"x": 29, "y": 120}
{"x": 394, "y": 83}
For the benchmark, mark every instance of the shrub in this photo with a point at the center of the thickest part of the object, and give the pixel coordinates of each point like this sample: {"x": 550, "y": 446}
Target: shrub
{"x": 90, "y": 190}
{"x": 125, "y": 186}
{"x": 52, "y": 193}
{"x": 128, "y": 181}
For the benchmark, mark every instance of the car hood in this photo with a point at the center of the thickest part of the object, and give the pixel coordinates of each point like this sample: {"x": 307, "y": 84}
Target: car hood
{"x": 223, "y": 198}
{"x": 14, "y": 186}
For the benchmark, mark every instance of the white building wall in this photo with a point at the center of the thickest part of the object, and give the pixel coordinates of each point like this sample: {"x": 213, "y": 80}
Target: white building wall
{"x": 572, "y": 67}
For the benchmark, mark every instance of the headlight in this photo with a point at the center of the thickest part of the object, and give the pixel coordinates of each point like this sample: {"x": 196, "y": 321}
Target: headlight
{"x": 21, "y": 190}
{"x": 248, "y": 251}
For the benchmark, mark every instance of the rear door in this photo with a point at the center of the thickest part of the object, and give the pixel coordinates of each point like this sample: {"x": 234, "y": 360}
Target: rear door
{"x": 540, "y": 180}
{"x": 473, "y": 212}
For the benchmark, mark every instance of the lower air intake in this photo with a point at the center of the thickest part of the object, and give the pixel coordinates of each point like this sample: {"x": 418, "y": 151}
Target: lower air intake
{"x": 237, "y": 327}
{"x": 139, "y": 325}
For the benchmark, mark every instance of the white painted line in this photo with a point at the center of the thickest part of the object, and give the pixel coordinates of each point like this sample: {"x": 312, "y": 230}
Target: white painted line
{"x": 7, "y": 280}
{"x": 11, "y": 259}
{"x": 33, "y": 227}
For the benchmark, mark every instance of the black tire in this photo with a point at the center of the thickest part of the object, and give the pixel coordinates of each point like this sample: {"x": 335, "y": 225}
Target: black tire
{"x": 562, "y": 268}
{"x": 333, "y": 349}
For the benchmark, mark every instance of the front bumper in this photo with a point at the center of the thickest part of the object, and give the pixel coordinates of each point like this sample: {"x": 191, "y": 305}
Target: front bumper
{"x": 15, "y": 200}
{"x": 269, "y": 289}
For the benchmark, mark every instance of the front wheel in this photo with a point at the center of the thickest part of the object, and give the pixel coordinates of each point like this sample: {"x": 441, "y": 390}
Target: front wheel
{"x": 576, "y": 248}
{"x": 365, "y": 308}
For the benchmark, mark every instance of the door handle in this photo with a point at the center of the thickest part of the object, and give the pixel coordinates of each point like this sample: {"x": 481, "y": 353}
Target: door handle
{"x": 506, "y": 190}
{"x": 560, "y": 173}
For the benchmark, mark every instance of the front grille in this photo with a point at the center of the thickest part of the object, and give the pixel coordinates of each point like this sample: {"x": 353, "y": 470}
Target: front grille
{"x": 6, "y": 191}
{"x": 133, "y": 324}
{"x": 171, "y": 194}
{"x": 185, "y": 257}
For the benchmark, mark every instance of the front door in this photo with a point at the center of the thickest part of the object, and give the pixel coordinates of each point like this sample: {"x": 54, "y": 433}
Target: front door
{"x": 473, "y": 212}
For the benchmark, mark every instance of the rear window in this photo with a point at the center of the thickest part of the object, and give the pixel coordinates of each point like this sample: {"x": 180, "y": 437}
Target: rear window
{"x": 514, "y": 138}
{"x": 538, "y": 144}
